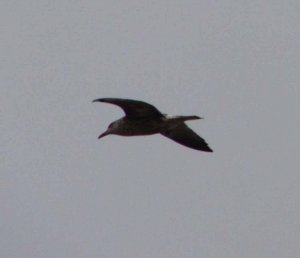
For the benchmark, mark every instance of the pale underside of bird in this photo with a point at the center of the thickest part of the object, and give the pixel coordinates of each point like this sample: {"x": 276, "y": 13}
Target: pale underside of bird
{"x": 142, "y": 118}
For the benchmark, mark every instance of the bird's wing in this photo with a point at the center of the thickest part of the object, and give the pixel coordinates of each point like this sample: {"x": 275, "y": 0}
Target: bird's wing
{"x": 132, "y": 108}
{"x": 184, "y": 135}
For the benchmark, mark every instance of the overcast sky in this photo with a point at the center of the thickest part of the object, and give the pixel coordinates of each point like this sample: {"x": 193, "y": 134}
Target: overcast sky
{"x": 65, "y": 194}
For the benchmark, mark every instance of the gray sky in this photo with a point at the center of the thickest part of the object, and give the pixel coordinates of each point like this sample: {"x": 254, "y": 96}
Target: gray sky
{"x": 65, "y": 194}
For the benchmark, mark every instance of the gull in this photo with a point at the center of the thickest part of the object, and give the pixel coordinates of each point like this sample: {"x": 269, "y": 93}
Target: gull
{"x": 142, "y": 118}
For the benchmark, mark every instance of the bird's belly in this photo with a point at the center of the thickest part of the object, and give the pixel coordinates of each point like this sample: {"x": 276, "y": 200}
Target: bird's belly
{"x": 141, "y": 127}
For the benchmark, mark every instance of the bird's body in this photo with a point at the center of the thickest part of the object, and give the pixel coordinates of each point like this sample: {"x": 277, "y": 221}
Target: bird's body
{"x": 147, "y": 125}
{"x": 144, "y": 119}
{"x": 134, "y": 127}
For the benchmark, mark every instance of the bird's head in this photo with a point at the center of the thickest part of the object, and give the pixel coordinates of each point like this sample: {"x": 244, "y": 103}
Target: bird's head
{"x": 111, "y": 129}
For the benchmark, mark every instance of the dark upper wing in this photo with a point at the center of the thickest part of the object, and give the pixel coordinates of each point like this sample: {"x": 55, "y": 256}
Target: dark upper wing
{"x": 187, "y": 137}
{"x": 132, "y": 108}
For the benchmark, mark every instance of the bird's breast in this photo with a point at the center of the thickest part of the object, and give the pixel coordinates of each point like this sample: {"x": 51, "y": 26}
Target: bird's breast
{"x": 143, "y": 126}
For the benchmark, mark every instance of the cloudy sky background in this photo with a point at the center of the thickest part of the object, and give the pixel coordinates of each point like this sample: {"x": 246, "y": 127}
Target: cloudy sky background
{"x": 64, "y": 194}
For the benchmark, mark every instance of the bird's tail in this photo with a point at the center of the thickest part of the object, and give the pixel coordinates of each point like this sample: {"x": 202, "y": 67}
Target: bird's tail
{"x": 185, "y": 118}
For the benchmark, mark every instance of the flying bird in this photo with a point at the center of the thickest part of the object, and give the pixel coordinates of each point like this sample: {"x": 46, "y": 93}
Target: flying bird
{"x": 142, "y": 118}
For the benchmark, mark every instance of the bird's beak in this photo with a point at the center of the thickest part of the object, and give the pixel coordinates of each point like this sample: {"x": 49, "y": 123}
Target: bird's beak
{"x": 103, "y": 134}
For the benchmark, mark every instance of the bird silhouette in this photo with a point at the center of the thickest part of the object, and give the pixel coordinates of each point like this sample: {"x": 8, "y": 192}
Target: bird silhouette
{"x": 142, "y": 118}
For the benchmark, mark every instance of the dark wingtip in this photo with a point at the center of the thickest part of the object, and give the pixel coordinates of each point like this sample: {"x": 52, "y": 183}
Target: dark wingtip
{"x": 197, "y": 117}
{"x": 97, "y": 100}
{"x": 209, "y": 149}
